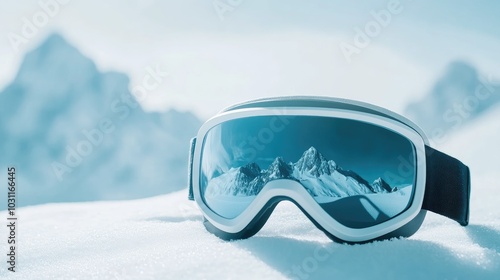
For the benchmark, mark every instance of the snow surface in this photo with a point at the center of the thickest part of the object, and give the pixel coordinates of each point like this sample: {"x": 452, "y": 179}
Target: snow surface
{"x": 163, "y": 237}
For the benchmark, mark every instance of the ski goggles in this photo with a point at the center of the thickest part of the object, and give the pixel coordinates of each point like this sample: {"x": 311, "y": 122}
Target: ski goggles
{"x": 357, "y": 171}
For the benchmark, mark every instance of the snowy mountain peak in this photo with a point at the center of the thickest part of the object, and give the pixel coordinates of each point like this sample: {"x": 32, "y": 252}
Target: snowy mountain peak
{"x": 251, "y": 170}
{"x": 378, "y": 181}
{"x": 379, "y": 185}
{"x": 311, "y": 150}
{"x": 312, "y": 153}
{"x": 321, "y": 177}
{"x": 60, "y": 101}
{"x": 460, "y": 81}
{"x": 314, "y": 163}
{"x": 279, "y": 169}
{"x": 55, "y": 59}
{"x": 55, "y": 39}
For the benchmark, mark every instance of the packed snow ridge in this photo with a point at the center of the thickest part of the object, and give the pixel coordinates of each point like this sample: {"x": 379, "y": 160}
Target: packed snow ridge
{"x": 321, "y": 177}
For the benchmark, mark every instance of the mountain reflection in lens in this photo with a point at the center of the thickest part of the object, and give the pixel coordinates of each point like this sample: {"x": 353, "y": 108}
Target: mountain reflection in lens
{"x": 349, "y": 167}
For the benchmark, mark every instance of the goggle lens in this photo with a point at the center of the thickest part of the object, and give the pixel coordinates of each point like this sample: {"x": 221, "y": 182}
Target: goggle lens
{"x": 360, "y": 173}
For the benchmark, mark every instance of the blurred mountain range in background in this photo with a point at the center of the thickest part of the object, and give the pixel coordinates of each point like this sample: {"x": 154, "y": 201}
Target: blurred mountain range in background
{"x": 77, "y": 134}
{"x": 457, "y": 97}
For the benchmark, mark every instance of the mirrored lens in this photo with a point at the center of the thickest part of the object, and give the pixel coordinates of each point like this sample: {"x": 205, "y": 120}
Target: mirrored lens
{"x": 361, "y": 174}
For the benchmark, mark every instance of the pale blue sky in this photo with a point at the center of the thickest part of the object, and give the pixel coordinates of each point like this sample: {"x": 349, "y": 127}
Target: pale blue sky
{"x": 266, "y": 48}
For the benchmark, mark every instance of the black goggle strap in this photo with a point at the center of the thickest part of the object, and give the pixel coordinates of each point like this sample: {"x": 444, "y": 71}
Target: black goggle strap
{"x": 192, "y": 144}
{"x": 447, "y": 189}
